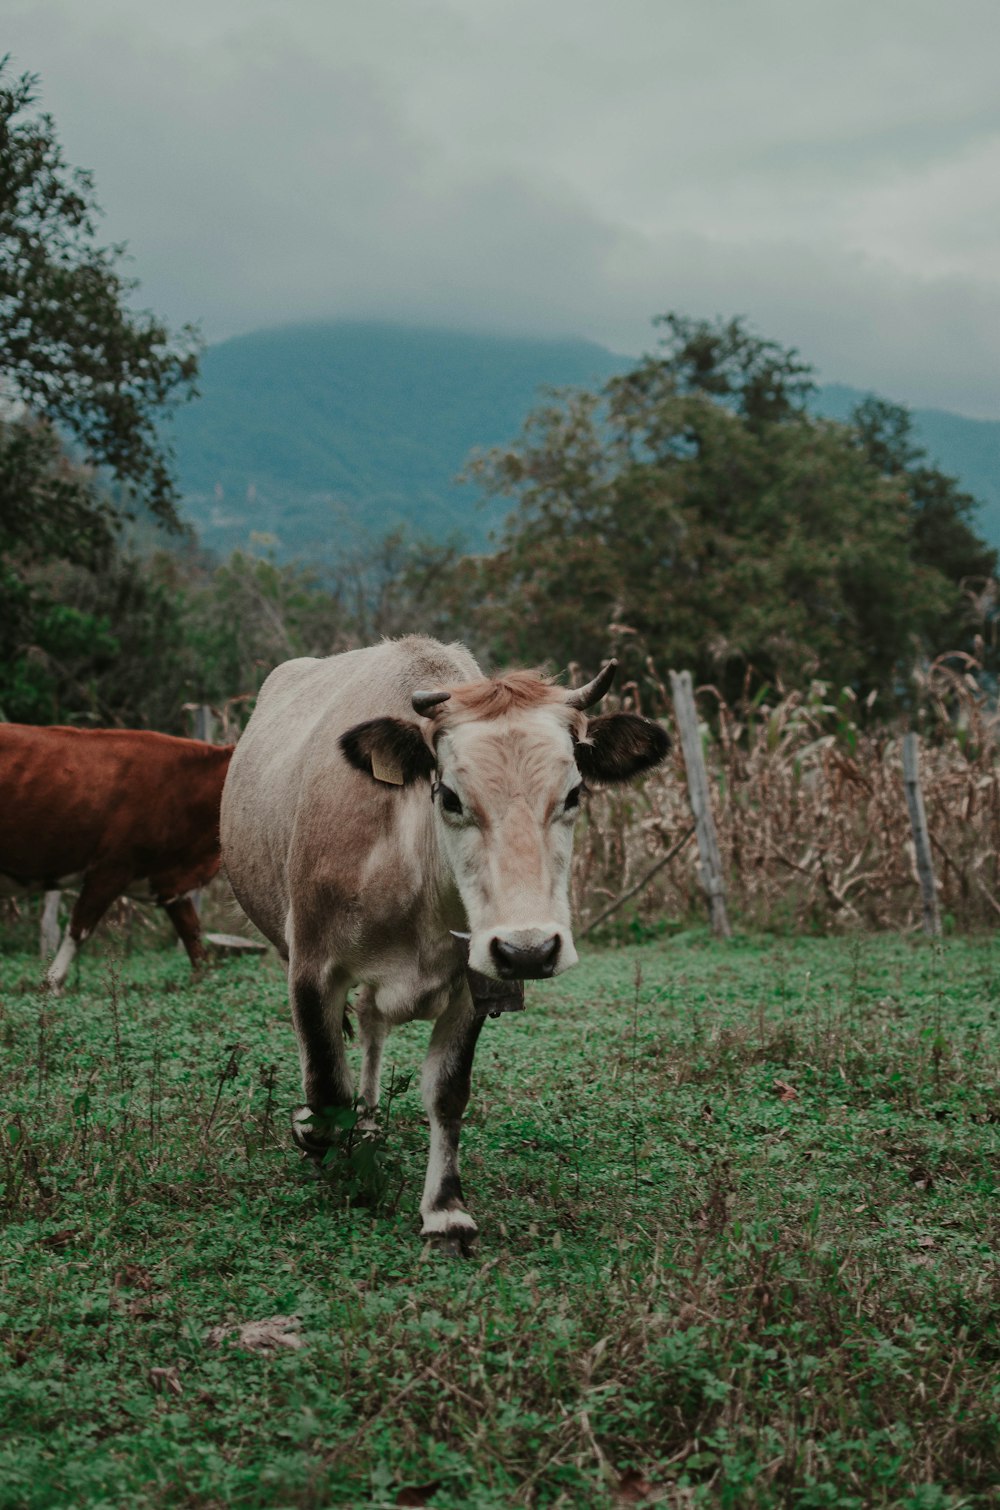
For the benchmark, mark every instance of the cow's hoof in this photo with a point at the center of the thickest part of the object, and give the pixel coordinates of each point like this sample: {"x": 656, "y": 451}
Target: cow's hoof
{"x": 451, "y": 1247}
{"x": 453, "y": 1233}
{"x": 311, "y": 1145}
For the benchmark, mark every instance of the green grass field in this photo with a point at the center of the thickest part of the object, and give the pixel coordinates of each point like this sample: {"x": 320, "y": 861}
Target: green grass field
{"x": 739, "y": 1243}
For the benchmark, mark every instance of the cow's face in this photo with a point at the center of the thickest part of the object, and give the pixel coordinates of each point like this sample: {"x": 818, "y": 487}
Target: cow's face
{"x": 507, "y": 776}
{"x": 506, "y": 796}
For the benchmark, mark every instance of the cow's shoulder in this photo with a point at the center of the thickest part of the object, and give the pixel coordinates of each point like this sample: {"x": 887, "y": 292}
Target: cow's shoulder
{"x": 431, "y": 663}
{"x": 285, "y": 676}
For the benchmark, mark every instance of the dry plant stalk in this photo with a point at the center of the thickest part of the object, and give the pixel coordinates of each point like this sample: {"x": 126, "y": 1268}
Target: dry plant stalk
{"x": 812, "y": 820}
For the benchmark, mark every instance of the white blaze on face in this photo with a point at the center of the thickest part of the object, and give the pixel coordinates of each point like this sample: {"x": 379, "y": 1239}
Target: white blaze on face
{"x": 505, "y": 809}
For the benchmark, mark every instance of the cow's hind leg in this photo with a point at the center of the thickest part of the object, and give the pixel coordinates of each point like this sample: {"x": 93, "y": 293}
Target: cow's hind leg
{"x": 318, "y": 1003}
{"x": 187, "y": 925}
{"x": 99, "y": 890}
{"x": 445, "y": 1084}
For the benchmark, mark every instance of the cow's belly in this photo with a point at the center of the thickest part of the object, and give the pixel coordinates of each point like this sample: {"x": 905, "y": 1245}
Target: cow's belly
{"x": 14, "y": 886}
{"x": 17, "y": 886}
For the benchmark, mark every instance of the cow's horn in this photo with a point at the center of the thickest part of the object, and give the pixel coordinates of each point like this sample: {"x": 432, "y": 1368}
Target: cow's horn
{"x": 585, "y": 697}
{"x": 423, "y": 702}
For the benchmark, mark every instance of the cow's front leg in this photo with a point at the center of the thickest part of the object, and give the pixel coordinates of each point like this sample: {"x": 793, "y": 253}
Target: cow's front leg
{"x": 318, "y": 1012}
{"x": 445, "y": 1084}
{"x": 373, "y": 1031}
{"x": 99, "y": 889}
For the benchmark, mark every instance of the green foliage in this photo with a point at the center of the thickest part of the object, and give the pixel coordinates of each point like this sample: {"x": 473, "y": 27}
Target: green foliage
{"x": 48, "y": 507}
{"x": 132, "y": 638}
{"x": 71, "y": 349}
{"x": 97, "y": 645}
{"x": 243, "y": 616}
{"x": 738, "y": 1230}
{"x": 943, "y": 536}
{"x": 696, "y": 513}
{"x": 85, "y": 381}
{"x": 759, "y": 380}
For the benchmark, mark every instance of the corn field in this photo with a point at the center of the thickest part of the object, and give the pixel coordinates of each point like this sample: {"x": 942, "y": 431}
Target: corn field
{"x": 811, "y": 816}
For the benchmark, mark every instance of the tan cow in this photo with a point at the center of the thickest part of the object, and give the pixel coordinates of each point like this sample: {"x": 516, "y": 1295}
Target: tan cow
{"x": 361, "y": 840}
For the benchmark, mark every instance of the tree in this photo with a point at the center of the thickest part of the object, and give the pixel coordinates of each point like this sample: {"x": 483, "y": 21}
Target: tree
{"x": 759, "y": 380}
{"x": 72, "y": 350}
{"x": 84, "y": 383}
{"x": 941, "y": 515}
{"x": 245, "y": 615}
{"x": 695, "y": 512}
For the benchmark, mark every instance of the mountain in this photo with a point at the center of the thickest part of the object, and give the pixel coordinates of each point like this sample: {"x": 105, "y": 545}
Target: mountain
{"x": 323, "y": 436}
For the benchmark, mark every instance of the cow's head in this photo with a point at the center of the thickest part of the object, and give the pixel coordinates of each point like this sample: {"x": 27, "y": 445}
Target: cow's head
{"x": 508, "y": 760}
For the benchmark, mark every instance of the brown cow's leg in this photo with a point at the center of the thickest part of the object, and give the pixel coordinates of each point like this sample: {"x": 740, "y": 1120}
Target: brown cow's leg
{"x": 445, "y": 1084}
{"x": 187, "y": 924}
{"x": 99, "y": 890}
{"x": 318, "y": 1014}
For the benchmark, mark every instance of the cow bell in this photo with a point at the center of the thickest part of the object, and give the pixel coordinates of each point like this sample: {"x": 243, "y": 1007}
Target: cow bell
{"x": 490, "y": 998}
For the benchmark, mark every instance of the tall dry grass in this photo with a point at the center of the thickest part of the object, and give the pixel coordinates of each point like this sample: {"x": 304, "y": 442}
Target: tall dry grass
{"x": 811, "y": 815}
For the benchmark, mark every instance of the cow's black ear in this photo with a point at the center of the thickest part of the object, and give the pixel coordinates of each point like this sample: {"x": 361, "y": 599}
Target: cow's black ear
{"x": 619, "y": 746}
{"x": 391, "y": 750}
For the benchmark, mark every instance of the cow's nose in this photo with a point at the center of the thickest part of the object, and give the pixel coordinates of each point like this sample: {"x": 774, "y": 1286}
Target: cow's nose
{"x": 515, "y": 963}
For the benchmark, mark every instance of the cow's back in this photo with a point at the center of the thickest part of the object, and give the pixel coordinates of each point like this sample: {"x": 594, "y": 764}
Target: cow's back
{"x": 297, "y": 820}
{"x": 71, "y": 799}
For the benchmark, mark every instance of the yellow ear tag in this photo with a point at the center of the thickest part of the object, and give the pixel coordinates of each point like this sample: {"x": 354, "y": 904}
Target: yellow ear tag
{"x": 386, "y": 770}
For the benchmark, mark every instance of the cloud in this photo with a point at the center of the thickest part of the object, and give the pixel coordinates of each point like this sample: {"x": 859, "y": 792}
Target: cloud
{"x": 575, "y": 168}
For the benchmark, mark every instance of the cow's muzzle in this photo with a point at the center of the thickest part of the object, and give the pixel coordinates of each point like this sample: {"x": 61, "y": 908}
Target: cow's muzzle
{"x": 537, "y": 962}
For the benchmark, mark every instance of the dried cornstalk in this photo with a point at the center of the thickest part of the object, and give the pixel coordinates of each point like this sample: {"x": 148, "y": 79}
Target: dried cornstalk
{"x": 813, "y": 827}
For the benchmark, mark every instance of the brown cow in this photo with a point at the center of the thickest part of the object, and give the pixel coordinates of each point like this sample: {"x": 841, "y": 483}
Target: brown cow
{"x": 106, "y": 809}
{"x": 386, "y": 851}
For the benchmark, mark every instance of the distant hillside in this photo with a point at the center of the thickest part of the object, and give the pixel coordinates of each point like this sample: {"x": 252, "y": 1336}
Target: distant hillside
{"x": 323, "y": 435}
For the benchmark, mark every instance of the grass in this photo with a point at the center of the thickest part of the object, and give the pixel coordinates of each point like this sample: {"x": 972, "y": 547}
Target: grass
{"x": 739, "y": 1225}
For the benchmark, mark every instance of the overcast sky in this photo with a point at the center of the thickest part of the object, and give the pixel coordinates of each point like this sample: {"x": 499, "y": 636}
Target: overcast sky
{"x": 831, "y": 170}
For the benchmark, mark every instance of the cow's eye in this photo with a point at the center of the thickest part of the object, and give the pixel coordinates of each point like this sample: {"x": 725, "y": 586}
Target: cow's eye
{"x": 450, "y": 800}
{"x": 573, "y": 799}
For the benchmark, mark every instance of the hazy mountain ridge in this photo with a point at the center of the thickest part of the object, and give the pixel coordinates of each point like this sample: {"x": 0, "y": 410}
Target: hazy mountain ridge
{"x": 321, "y": 435}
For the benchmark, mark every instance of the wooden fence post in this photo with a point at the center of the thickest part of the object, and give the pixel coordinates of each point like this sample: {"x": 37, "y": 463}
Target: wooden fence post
{"x": 701, "y": 802}
{"x": 204, "y": 723}
{"x": 921, "y": 836}
{"x": 204, "y": 728}
{"x": 48, "y": 933}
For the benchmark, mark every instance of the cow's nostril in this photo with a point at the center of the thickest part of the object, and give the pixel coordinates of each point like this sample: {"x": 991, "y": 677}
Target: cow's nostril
{"x": 505, "y": 955}
{"x": 550, "y": 952}
{"x": 533, "y": 963}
